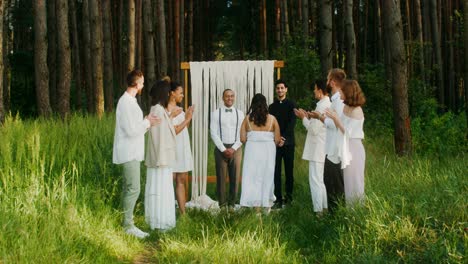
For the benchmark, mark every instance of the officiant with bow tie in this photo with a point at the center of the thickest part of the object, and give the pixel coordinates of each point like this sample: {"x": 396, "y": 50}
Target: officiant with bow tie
{"x": 225, "y": 132}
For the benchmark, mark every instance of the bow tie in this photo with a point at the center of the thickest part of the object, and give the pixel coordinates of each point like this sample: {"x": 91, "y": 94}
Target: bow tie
{"x": 228, "y": 110}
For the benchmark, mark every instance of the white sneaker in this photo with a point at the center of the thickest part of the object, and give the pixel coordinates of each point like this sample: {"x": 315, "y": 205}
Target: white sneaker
{"x": 135, "y": 231}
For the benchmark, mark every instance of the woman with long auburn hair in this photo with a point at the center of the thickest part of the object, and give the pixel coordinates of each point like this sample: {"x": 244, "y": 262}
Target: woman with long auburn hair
{"x": 351, "y": 123}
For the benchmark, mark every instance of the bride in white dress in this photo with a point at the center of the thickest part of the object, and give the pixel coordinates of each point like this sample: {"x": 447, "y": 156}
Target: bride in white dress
{"x": 260, "y": 133}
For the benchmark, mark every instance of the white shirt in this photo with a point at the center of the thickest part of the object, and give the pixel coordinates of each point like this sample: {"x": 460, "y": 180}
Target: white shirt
{"x": 130, "y": 129}
{"x": 332, "y": 131}
{"x": 229, "y": 120}
{"x": 314, "y": 147}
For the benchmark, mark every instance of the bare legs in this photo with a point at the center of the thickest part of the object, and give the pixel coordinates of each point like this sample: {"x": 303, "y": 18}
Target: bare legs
{"x": 180, "y": 190}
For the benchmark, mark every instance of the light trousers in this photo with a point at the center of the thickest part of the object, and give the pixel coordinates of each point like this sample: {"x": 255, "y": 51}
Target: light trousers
{"x": 317, "y": 186}
{"x": 130, "y": 190}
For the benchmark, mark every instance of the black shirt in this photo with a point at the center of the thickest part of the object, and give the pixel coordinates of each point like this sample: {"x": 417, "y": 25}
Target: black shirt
{"x": 284, "y": 114}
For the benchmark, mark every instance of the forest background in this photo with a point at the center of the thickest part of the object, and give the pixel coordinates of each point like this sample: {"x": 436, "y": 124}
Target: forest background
{"x": 63, "y": 67}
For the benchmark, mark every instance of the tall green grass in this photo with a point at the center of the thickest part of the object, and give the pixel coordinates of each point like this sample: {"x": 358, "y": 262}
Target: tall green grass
{"x": 59, "y": 202}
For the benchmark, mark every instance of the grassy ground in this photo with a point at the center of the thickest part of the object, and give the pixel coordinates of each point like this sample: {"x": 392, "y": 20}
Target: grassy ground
{"x": 59, "y": 202}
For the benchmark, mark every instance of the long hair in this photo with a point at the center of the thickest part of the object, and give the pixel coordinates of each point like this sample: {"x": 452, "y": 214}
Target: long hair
{"x": 160, "y": 93}
{"x": 353, "y": 93}
{"x": 258, "y": 111}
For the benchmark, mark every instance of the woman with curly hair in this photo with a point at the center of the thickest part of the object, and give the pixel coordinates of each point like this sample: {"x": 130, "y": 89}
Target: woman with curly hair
{"x": 260, "y": 133}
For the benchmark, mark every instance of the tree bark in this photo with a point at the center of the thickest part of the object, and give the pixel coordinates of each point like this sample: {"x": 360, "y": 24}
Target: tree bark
{"x": 76, "y": 71}
{"x": 52, "y": 52}
{"x": 2, "y": 8}
{"x": 190, "y": 29}
{"x": 7, "y": 46}
{"x": 286, "y": 19}
{"x": 162, "y": 37}
{"x": 305, "y": 21}
{"x": 150, "y": 58}
{"x": 182, "y": 33}
{"x": 87, "y": 58}
{"x": 325, "y": 37}
{"x": 351, "y": 68}
{"x": 393, "y": 27}
{"x": 418, "y": 36}
{"x": 131, "y": 36}
{"x": 450, "y": 68}
{"x": 108, "y": 62}
{"x": 64, "y": 58}
{"x": 277, "y": 23}
{"x": 176, "y": 30}
{"x": 96, "y": 50}
{"x": 263, "y": 32}
{"x": 465, "y": 41}
{"x": 437, "y": 51}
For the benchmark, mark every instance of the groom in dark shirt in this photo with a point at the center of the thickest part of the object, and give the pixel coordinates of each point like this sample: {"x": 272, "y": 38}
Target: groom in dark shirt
{"x": 283, "y": 109}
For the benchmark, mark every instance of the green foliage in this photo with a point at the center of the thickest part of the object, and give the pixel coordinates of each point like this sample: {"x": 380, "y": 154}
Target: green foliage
{"x": 438, "y": 134}
{"x": 302, "y": 68}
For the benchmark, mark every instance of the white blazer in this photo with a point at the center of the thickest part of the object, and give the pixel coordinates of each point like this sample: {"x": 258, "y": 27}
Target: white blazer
{"x": 314, "y": 147}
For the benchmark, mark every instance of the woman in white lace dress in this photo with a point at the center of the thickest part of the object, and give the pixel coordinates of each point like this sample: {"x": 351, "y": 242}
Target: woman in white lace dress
{"x": 351, "y": 124}
{"x": 260, "y": 133}
{"x": 184, "y": 158}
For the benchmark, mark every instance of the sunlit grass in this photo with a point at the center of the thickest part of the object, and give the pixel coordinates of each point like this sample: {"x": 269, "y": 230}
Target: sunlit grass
{"x": 59, "y": 202}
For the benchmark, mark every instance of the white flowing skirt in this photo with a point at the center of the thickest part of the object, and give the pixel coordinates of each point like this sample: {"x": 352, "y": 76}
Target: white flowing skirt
{"x": 353, "y": 174}
{"x": 159, "y": 199}
{"x": 258, "y": 170}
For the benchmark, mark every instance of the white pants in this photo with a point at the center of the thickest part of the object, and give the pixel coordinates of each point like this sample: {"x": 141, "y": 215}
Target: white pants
{"x": 317, "y": 187}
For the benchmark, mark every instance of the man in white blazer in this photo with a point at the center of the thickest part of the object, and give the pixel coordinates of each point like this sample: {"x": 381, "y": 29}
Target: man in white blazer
{"x": 314, "y": 147}
{"x": 128, "y": 150}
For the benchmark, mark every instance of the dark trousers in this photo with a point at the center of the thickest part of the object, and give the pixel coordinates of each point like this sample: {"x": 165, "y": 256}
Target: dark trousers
{"x": 333, "y": 179}
{"x": 227, "y": 168}
{"x": 285, "y": 153}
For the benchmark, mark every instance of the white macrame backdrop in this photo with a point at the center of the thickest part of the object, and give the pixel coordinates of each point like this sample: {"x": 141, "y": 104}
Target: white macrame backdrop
{"x": 208, "y": 81}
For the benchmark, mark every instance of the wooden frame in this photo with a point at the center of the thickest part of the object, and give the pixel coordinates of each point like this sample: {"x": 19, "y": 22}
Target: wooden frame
{"x": 186, "y": 67}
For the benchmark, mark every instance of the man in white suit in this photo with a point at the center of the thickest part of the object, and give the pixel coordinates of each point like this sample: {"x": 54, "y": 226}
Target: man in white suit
{"x": 314, "y": 147}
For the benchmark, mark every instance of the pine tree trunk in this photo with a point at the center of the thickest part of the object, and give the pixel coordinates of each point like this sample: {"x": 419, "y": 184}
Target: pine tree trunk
{"x": 2, "y": 8}
{"x": 465, "y": 41}
{"x": 326, "y": 53}
{"x": 277, "y": 23}
{"x": 52, "y": 52}
{"x": 409, "y": 40}
{"x": 108, "y": 62}
{"x": 162, "y": 37}
{"x": 305, "y": 21}
{"x": 418, "y": 36}
{"x": 131, "y": 36}
{"x": 263, "y": 16}
{"x": 64, "y": 58}
{"x": 190, "y": 29}
{"x": 351, "y": 68}
{"x": 427, "y": 37}
{"x": 7, "y": 44}
{"x": 393, "y": 28}
{"x": 437, "y": 51}
{"x": 87, "y": 58}
{"x": 76, "y": 54}
{"x": 150, "y": 58}
{"x": 138, "y": 37}
{"x": 450, "y": 69}
{"x": 286, "y": 19}
{"x": 378, "y": 22}
{"x": 313, "y": 16}
{"x": 182, "y": 34}
{"x": 176, "y": 40}
{"x": 365, "y": 33}
{"x": 96, "y": 51}
{"x": 117, "y": 24}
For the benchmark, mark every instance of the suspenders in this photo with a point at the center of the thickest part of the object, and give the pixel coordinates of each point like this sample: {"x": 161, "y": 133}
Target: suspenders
{"x": 219, "y": 120}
